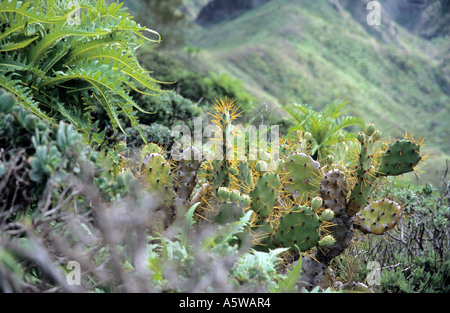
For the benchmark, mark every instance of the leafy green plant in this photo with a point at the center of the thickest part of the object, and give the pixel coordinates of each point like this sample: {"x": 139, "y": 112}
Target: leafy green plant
{"x": 199, "y": 252}
{"x": 424, "y": 274}
{"x": 37, "y": 156}
{"x": 63, "y": 58}
{"x": 326, "y": 128}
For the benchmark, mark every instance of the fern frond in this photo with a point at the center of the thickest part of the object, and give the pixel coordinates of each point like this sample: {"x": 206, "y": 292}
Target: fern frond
{"x": 26, "y": 9}
{"x": 36, "y": 53}
{"x": 106, "y": 88}
{"x": 59, "y": 69}
{"x": 10, "y": 46}
{"x": 334, "y": 109}
{"x": 347, "y": 121}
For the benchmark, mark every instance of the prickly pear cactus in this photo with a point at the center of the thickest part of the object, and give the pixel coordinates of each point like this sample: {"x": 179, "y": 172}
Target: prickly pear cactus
{"x": 265, "y": 194}
{"x": 300, "y": 227}
{"x": 232, "y": 205}
{"x": 333, "y": 190}
{"x": 297, "y": 202}
{"x": 303, "y": 176}
{"x": 400, "y": 157}
{"x": 155, "y": 172}
{"x": 378, "y": 217}
{"x": 397, "y": 158}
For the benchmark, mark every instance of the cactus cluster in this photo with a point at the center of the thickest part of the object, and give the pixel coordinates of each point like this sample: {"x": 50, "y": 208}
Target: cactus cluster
{"x": 297, "y": 202}
{"x": 374, "y": 162}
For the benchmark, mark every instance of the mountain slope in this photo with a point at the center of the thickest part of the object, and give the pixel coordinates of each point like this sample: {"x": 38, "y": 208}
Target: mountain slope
{"x": 313, "y": 52}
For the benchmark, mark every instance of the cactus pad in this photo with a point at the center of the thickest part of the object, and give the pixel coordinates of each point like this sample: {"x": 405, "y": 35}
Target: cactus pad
{"x": 378, "y": 217}
{"x": 400, "y": 157}
{"x": 265, "y": 193}
{"x": 156, "y": 171}
{"x": 299, "y": 227}
{"x": 333, "y": 190}
{"x": 303, "y": 176}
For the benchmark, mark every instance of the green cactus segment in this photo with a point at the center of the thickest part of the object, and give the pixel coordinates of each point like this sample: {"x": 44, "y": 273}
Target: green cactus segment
{"x": 155, "y": 172}
{"x": 265, "y": 194}
{"x": 186, "y": 178}
{"x": 231, "y": 206}
{"x": 400, "y": 157}
{"x": 365, "y": 172}
{"x": 378, "y": 217}
{"x": 303, "y": 176}
{"x": 245, "y": 175}
{"x": 220, "y": 174}
{"x": 7, "y": 102}
{"x": 223, "y": 193}
{"x": 333, "y": 190}
{"x": 300, "y": 227}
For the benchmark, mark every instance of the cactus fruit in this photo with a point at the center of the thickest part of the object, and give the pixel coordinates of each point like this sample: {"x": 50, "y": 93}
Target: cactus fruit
{"x": 370, "y": 129}
{"x": 316, "y": 203}
{"x": 265, "y": 194}
{"x": 300, "y": 227}
{"x": 223, "y": 193}
{"x": 378, "y": 217}
{"x": 303, "y": 176}
{"x": 234, "y": 195}
{"x": 244, "y": 201}
{"x": 261, "y": 166}
{"x": 400, "y": 157}
{"x": 327, "y": 215}
{"x": 232, "y": 209}
{"x": 327, "y": 241}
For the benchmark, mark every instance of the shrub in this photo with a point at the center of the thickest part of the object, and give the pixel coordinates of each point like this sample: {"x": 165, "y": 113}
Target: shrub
{"x": 202, "y": 88}
{"x": 60, "y": 67}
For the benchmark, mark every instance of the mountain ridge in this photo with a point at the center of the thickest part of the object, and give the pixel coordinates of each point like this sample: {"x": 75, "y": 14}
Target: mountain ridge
{"x": 312, "y": 52}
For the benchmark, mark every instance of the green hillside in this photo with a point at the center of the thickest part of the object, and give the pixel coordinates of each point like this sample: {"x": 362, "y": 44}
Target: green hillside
{"x": 309, "y": 52}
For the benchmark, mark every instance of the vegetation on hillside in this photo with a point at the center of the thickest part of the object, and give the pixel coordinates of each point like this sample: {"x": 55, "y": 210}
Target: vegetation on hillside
{"x": 308, "y": 52}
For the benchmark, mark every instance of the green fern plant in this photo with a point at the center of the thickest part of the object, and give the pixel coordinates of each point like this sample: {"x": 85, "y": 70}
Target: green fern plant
{"x": 61, "y": 67}
{"x": 325, "y": 128}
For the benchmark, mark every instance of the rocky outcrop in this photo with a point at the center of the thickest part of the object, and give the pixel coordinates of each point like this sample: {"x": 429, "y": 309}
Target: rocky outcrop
{"x": 221, "y": 10}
